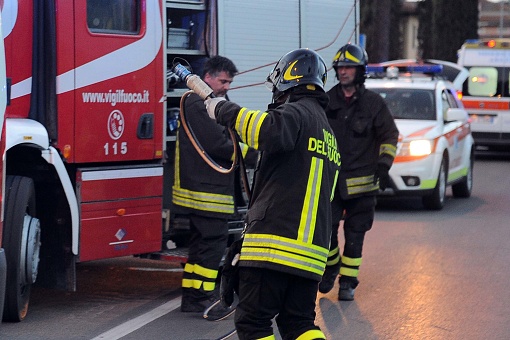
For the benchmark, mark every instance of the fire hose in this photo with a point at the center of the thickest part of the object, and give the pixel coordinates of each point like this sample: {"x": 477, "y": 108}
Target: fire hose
{"x": 198, "y": 86}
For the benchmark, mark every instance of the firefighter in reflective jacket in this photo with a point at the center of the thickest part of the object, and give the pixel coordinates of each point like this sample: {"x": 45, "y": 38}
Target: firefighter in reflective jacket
{"x": 286, "y": 240}
{"x": 205, "y": 195}
{"x": 368, "y": 138}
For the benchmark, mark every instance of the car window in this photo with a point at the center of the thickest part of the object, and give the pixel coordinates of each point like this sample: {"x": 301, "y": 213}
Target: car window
{"x": 444, "y": 101}
{"x": 113, "y": 16}
{"x": 409, "y": 103}
{"x": 451, "y": 99}
{"x": 483, "y": 81}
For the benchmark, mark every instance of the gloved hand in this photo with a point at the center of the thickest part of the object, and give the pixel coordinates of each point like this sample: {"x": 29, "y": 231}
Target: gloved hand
{"x": 210, "y": 105}
{"x": 382, "y": 176}
{"x": 229, "y": 284}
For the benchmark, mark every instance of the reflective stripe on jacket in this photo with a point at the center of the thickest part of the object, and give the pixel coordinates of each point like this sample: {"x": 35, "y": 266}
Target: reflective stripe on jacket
{"x": 368, "y": 136}
{"x": 197, "y": 187}
{"x": 289, "y": 220}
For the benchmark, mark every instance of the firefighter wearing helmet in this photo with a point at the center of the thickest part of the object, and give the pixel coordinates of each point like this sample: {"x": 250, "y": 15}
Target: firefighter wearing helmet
{"x": 288, "y": 223}
{"x": 368, "y": 136}
{"x": 352, "y": 55}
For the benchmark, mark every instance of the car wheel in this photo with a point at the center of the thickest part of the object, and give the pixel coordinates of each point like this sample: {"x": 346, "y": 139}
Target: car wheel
{"x": 21, "y": 240}
{"x": 436, "y": 200}
{"x": 463, "y": 189}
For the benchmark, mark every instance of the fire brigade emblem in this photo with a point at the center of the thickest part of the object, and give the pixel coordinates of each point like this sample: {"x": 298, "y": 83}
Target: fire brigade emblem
{"x": 115, "y": 124}
{"x": 120, "y": 234}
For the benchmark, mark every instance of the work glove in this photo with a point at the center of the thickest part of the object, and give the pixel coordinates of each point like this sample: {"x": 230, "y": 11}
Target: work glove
{"x": 210, "y": 105}
{"x": 229, "y": 284}
{"x": 382, "y": 176}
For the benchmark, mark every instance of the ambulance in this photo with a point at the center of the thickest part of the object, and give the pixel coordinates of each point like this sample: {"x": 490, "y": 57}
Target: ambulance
{"x": 435, "y": 147}
{"x": 486, "y": 94}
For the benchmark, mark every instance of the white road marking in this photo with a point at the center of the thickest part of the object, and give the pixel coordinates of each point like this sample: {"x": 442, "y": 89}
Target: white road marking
{"x": 177, "y": 270}
{"x": 140, "y": 321}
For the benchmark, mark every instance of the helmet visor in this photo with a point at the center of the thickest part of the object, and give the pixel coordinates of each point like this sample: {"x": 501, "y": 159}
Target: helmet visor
{"x": 272, "y": 79}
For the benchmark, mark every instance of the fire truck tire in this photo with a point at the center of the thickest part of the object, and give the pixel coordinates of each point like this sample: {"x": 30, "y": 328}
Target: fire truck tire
{"x": 21, "y": 241}
{"x": 436, "y": 200}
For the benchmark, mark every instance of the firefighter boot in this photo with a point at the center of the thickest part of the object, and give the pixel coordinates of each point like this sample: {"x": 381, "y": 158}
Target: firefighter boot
{"x": 194, "y": 301}
{"x": 328, "y": 278}
{"x": 347, "y": 288}
{"x": 217, "y": 311}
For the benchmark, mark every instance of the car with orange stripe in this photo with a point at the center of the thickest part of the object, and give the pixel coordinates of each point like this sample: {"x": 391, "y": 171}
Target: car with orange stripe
{"x": 435, "y": 148}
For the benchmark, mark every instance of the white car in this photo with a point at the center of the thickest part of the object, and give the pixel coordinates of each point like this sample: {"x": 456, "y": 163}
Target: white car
{"x": 435, "y": 147}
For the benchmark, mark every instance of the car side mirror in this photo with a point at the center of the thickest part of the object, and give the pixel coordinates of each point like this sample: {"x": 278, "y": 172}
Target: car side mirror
{"x": 455, "y": 114}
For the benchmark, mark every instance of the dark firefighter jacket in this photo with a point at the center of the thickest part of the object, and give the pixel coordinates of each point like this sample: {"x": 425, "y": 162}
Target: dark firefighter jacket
{"x": 198, "y": 188}
{"x": 288, "y": 222}
{"x": 367, "y": 135}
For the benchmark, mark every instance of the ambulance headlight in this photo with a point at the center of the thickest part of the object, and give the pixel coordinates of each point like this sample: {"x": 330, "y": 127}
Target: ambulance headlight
{"x": 416, "y": 148}
{"x": 420, "y": 148}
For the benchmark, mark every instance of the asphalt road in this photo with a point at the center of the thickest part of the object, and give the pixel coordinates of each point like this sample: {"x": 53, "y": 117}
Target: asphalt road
{"x": 425, "y": 275}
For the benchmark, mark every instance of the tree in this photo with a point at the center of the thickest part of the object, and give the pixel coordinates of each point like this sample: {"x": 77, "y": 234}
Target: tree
{"x": 445, "y": 25}
{"x": 380, "y": 21}
{"x": 425, "y": 35}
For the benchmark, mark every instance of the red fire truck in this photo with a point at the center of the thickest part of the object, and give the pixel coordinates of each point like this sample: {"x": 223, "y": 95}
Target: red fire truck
{"x": 86, "y": 140}
{"x": 82, "y": 140}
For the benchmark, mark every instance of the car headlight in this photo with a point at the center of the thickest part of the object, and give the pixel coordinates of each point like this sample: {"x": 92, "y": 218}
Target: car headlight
{"x": 420, "y": 148}
{"x": 416, "y": 148}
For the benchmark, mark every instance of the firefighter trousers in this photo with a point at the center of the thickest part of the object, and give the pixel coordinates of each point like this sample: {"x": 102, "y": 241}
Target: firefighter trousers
{"x": 208, "y": 241}
{"x": 358, "y": 216}
{"x": 264, "y": 294}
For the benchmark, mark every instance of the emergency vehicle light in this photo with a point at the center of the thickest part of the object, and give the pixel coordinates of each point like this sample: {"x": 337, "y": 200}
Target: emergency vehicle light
{"x": 489, "y": 43}
{"x": 425, "y": 69}
{"x": 375, "y": 69}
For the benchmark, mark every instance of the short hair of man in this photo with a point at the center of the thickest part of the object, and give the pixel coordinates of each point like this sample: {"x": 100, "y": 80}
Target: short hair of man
{"x": 218, "y": 64}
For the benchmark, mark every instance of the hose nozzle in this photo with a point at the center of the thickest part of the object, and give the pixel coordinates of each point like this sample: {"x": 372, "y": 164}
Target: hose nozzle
{"x": 193, "y": 82}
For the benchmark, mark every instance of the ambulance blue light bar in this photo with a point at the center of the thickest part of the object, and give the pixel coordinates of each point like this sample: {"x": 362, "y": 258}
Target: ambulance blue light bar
{"x": 425, "y": 68}
{"x": 428, "y": 69}
{"x": 375, "y": 69}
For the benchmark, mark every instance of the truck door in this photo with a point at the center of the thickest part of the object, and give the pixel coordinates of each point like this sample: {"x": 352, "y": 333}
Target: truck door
{"x": 114, "y": 81}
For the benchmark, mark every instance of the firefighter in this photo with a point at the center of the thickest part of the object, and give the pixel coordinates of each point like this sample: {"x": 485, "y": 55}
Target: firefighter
{"x": 205, "y": 195}
{"x": 363, "y": 124}
{"x": 286, "y": 238}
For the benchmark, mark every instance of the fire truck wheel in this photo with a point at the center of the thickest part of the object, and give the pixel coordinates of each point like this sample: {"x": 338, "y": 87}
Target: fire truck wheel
{"x": 21, "y": 240}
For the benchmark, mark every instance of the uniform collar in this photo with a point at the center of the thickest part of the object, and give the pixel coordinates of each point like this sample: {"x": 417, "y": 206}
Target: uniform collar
{"x": 337, "y": 98}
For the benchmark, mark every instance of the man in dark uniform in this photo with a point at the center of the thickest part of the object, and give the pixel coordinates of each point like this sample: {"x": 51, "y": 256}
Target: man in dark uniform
{"x": 205, "y": 195}
{"x": 286, "y": 240}
{"x": 368, "y": 138}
